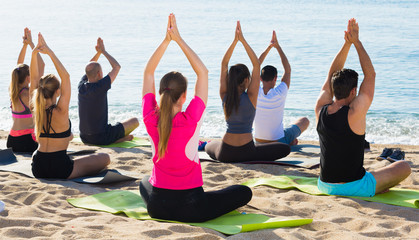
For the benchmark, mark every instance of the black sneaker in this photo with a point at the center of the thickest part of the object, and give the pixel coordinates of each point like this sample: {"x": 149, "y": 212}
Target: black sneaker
{"x": 396, "y": 156}
{"x": 386, "y": 153}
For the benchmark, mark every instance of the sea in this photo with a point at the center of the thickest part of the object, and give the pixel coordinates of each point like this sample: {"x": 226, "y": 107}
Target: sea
{"x": 309, "y": 32}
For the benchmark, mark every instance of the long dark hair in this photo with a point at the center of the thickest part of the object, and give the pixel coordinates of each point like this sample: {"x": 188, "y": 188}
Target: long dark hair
{"x": 172, "y": 86}
{"x": 235, "y": 77}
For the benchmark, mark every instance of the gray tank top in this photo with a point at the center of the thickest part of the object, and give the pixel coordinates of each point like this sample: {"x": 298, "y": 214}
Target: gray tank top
{"x": 241, "y": 121}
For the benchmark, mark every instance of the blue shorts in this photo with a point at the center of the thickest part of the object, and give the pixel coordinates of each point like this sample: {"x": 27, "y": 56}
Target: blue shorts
{"x": 364, "y": 187}
{"x": 290, "y": 134}
{"x": 111, "y": 134}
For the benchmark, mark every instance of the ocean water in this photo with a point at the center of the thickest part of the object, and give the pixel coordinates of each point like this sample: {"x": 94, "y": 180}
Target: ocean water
{"x": 310, "y": 33}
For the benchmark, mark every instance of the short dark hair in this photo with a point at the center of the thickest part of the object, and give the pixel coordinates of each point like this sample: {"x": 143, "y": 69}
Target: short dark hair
{"x": 268, "y": 73}
{"x": 343, "y": 81}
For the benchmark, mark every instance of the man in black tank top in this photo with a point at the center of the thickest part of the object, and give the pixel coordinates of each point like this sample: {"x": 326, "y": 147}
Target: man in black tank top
{"x": 341, "y": 124}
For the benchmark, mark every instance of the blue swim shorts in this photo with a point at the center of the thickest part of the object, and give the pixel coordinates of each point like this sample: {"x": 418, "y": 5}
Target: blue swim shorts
{"x": 364, "y": 187}
{"x": 290, "y": 134}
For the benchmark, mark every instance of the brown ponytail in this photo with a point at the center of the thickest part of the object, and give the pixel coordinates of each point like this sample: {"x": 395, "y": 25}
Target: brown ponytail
{"x": 235, "y": 77}
{"x": 19, "y": 75}
{"x": 48, "y": 84}
{"x": 172, "y": 86}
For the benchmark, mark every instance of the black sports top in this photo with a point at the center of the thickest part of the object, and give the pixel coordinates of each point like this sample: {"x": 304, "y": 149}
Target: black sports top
{"x": 47, "y": 132}
{"x": 342, "y": 151}
{"x": 26, "y": 113}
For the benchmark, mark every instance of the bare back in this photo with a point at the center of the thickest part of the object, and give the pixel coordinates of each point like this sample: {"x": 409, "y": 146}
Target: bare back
{"x": 60, "y": 123}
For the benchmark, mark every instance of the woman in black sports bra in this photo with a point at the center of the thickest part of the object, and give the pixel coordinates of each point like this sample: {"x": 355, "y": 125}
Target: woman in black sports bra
{"x": 52, "y": 124}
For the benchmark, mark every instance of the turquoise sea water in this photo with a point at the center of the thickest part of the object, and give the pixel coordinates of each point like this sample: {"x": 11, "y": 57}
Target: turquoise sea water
{"x": 310, "y": 33}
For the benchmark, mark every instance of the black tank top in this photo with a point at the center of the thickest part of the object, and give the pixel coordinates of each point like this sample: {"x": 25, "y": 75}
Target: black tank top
{"x": 342, "y": 151}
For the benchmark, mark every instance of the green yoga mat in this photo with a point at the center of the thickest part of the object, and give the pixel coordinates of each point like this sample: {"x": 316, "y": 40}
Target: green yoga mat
{"x": 396, "y": 196}
{"x": 131, "y": 203}
{"x": 136, "y": 142}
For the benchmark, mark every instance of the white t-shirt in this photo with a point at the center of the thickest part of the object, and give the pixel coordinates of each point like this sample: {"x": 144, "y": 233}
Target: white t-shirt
{"x": 270, "y": 112}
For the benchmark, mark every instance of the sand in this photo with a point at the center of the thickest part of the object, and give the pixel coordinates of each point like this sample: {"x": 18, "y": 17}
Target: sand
{"x": 38, "y": 208}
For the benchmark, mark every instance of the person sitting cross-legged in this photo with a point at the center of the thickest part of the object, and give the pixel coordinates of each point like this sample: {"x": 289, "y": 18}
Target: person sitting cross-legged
{"x": 341, "y": 124}
{"x": 271, "y": 103}
{"x": 93, "y": 104}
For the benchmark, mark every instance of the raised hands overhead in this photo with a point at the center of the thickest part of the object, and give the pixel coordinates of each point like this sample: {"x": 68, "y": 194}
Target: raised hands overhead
{"x": 172, "y": 29}
{"x": 42, "y": 46}
{"x": 274, "y": 41}
{"x": 352, "y": 33}
{"x": 27, "y": 37}
{"x": 239, "y": 33}
{"x": 100, "y": 47}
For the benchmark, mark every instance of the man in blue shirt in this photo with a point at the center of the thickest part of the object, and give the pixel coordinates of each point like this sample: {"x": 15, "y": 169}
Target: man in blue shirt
{"x": 93, "y": 104}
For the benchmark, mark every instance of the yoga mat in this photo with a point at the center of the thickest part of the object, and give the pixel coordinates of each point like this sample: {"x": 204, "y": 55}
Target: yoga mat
{"x": 7, "y": 157}
{"x": 306, "y": 149}
{"x": 24, "y": 167}
{"x": 136, "y": 142}
{"x": 131, "y": 203}
{"x": 294, "y": 161}
{"x": 395, "y": 196}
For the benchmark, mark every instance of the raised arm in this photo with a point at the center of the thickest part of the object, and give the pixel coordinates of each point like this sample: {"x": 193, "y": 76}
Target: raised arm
{"x": 265, "y": 53}
{"x": 286, "y": 78}
{"x": 114, "y": 64}
{"x": 253, "y": 88}
{"x": 201, "y": 86}
{"x": 326, "y": 94}
{"x": 22, "y": 53}
{"x": 362, "y": 102}
{"x": 34, "y": 70}
{"x": 64, "y": 101}
{"x": 27, "y": 40}
{"x": 224, "y": 64}
{"x": 150, "y": 68}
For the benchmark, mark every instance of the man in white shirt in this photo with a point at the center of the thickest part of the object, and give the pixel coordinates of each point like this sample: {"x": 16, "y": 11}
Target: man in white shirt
{"x": 271, "y": 102}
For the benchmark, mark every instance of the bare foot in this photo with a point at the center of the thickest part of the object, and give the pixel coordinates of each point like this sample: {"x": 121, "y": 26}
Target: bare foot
{"x": 126, "y": 138}
{"x": 294, "y": 142}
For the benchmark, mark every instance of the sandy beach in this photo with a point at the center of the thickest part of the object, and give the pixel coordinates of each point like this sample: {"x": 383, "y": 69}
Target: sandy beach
{"x": 38, "y": 208}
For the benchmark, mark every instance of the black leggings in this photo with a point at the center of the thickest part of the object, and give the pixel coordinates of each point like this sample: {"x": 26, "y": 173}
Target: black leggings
{"x": 192, "y": 205}
{"x": 24, "y": 143}
{"x": 224, "y": 152}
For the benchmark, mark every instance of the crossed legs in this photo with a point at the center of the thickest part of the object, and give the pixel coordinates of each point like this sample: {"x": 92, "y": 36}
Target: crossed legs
{"x": 390, "y": 175}
{"x": 89, "y": 165}
{"x": 129, "y": 126}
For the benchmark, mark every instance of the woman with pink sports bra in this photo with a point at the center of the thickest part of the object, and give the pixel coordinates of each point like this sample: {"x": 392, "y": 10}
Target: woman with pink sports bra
{"x": 174, "y": 189}
{"x": 21, "y": 137}
{"x": 53, "y": 126}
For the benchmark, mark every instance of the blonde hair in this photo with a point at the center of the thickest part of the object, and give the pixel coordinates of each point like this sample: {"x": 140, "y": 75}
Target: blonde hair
{"x": 19, "y": 75}
{"x": 48, "y": 84}
{"x": 172, "y": 86}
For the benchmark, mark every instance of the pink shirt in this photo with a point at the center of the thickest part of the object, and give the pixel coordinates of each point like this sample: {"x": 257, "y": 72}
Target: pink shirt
{"x": 180, "y": 168}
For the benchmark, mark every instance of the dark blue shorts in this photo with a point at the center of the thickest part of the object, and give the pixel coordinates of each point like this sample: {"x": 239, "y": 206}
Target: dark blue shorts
{"x": 111, "y": 135}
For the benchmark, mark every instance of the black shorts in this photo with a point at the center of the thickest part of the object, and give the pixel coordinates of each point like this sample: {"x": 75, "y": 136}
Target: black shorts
{"x": 24, "y": 143}
{"x": 52, "y": 165}
{"x": 111, "y": 135}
